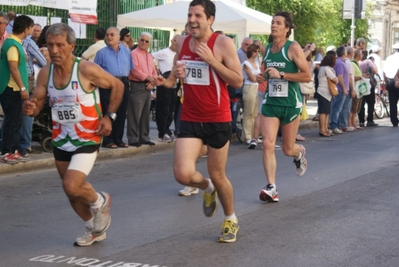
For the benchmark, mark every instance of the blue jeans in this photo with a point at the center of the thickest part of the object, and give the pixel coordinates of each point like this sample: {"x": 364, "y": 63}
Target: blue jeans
{"x": 25, "y": 138}
{"x": 336, "y": 108}
{"x": 344, "y": 114}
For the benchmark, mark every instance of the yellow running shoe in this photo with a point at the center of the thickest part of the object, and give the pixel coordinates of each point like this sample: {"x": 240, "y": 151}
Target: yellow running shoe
{"x": 229, "y": 232}
{"x": 210, "y": 203}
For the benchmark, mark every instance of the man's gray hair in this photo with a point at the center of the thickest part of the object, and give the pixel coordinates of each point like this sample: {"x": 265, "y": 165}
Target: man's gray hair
{"x": 349, "y": 50}
{"x": 360, "y": 41}
{"x": 4, "y": 15}
{"x": 147, "y": 34}
{"x": 62, "y": 29}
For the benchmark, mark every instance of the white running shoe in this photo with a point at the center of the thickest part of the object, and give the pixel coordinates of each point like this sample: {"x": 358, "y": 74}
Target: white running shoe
{"x": 102, "y": 219}
{"x": 337, "y": 131}
{"x": 89, "y": 238}
{"x": 166, "y": 138}
{"x": 269, "y": 193}
{"x": 301, "y": 164}
{"x": 188, "y": 191}
{"x": 253, "y": 143}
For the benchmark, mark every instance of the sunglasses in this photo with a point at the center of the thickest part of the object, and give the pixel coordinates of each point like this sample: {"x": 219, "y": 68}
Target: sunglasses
{"x": 146, "y": 41}
{"x": 128, "y": 35}
{"x": 111, "y": 34}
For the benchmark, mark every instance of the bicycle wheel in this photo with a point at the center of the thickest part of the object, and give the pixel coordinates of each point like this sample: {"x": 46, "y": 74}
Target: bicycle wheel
{"x": 379, "y": 110}
{"x": 240, "y": 110}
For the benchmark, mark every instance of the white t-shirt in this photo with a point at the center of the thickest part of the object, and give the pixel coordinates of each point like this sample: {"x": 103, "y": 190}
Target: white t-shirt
{"x": 323, "y": 90}
{"x": 165, "y": 59}
{"x": 253, "y": 70}
{"x": 391, "y": 65}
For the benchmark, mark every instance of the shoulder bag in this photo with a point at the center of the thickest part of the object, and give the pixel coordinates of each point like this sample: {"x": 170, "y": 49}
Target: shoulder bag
{"x": 331, "y": 86}
{"x": 307, "y": 88}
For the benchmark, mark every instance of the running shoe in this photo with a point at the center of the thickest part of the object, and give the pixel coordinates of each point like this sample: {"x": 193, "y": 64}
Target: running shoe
{"x": 102, "y": 219}
{"x": 269, "y": 193}
{"x": 301, "y": 164}
{"x": 9, "y": 159}
{"x": 89, "y": 238}
{"x": 19, "y": 157}
{"x": 337, "y": 131}
{"x": 253, "y": 143}
{"x": 166, "y": 139}
{"x": 210, "y": 203}
{"x": 188, "y": 191}
{"x": 229, "y": 232}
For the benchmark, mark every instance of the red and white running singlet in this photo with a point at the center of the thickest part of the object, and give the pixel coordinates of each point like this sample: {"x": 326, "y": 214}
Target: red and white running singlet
{"x": 206, "y": 98}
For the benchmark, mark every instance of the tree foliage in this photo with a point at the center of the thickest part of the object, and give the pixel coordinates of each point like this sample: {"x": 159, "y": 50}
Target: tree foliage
{"x": 318, "y": 21}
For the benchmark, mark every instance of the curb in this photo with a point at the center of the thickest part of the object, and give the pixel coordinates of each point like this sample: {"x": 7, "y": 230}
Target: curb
{"x": 103, "y": 155}
{"x": 46, "y": 161}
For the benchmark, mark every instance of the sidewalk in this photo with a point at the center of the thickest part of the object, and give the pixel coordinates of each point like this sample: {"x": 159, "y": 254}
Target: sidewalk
{"x": 44, "y": 160}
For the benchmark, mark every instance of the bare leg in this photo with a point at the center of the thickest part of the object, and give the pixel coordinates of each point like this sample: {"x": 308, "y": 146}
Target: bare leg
{"x": 79, "y": 192}
{"x": 217, "y": 159}
{"x": 269, "y": 128}
{"x": 289, "y": 131}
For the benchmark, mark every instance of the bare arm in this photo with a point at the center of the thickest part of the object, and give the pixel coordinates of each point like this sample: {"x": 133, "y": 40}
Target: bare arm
{"x": 13, "y": 65}
{"x": 295, "y": 53}
{"x": 33, "y": 106}
{"x": 224, "y": 60}
{"x": 251, "y": 77}
{"x": 96, "y": 76}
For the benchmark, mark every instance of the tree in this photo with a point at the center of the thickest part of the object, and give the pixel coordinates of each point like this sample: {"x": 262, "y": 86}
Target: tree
{"x": 318, "y": 21}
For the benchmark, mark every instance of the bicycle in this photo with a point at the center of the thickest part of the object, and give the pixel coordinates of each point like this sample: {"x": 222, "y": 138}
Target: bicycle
{"x": 381, "y": 105}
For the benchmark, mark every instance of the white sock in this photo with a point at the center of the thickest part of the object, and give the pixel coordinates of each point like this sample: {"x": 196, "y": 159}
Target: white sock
{"x": 232, "y": 217}
{"x": 210, "y": 187}
{"x": 300, "y": 156}
{"x": 99, "y": 202}
{"x": 90, "y": 223}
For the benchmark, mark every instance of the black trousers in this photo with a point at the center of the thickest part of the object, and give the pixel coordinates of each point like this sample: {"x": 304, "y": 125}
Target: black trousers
{"x": 370, "y": 100}
{"x": 118, "y": 126}
{"x": 12, "y": 107}
{"x": 393, "y": 95}
{"x": 165, "y": 107}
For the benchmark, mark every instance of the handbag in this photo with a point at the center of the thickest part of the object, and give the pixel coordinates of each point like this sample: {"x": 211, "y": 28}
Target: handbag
{"x": 307, "y": 88}
{"x": 331, "y": 86}
{"x": 362, "y": 87}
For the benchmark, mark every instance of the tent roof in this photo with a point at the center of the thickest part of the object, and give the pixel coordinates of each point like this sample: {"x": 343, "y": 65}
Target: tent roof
{"x": 230, "y": 17}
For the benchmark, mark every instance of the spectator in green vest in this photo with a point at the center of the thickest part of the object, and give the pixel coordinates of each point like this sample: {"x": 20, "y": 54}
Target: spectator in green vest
{"x": 14, "y": 87}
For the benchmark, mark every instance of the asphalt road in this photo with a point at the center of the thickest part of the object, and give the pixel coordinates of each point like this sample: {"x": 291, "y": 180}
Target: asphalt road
{"x": 343, "y": 212}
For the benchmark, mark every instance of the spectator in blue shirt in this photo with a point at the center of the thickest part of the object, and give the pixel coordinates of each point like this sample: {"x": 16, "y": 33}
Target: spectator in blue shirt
{"x": 34, "y": 56}
{"x": 115, "y": 58}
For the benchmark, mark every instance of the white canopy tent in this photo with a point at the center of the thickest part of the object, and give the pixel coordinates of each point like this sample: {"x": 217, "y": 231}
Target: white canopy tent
{"x": 230, "y": 18}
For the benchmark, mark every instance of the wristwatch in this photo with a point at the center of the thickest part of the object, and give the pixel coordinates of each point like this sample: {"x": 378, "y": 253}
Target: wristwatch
{"x": 111, "y": 115}
{"x": 282, "y": 74}
{"x": 23, "y": 89}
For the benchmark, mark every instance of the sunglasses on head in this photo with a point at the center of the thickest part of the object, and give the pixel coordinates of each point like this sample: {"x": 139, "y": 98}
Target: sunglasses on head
{"x": 146, "y": 41}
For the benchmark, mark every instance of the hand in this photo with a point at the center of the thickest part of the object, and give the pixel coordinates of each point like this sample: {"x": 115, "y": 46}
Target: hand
{"x": 104, "y": 127}
{"x": 180, "y": 69}
{"x": 160, "y": 80}
{"x": 151, "y": 80}
{"x": 24, "y": 95}
{"x": 149, "y": 86}
{"x": 273, "y": 73}
{"x": 260, "y": 78}
{"x": 345, "y": 92}
{"x": 29, "y": 106}
{"x": 312, "y": 47}
{"x": 353, "y": 94}
{"x": 205, "y": 52}
{"x": 396, "y": 83}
